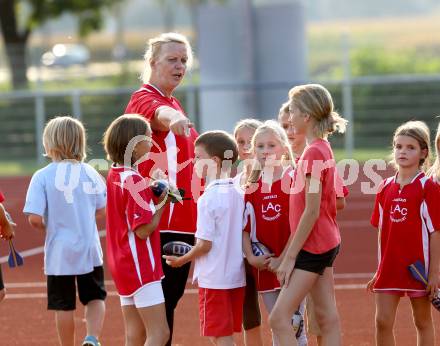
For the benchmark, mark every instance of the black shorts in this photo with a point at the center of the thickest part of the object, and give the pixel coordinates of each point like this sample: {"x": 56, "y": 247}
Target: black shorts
{"x": 61, "y": 290}
{"x": 251, "y": 308}
{"x": 2, "y": 285}
{"x": 316, "y": 263}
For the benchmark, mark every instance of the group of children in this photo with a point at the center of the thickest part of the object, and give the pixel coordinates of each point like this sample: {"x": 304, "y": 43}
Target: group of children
{"x": 281, "y": 194}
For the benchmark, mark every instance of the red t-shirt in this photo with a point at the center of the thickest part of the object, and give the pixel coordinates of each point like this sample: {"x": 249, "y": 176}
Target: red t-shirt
{"x": 267, "y": 221}
{"x": 133, "y": 262}
{"x": 172, "y": 154}
{"x": 317, "y": 160}
{"x": 405, "y": 218}
{"x": 2, "y": 198}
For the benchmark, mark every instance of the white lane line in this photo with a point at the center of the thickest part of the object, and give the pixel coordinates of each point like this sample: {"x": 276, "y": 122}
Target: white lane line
{"x": 340, "y": 276}
{"x": 358, "y": 224}
{"x": 40, "y": 284}
{"x": 350, "y": 287}
{"x": 187, "y": 291}
{"x": 25, "y": 253}
{"x": 41, "y": 295}
{"x": 38, "y": 250}
{"x": 354, "y": 276}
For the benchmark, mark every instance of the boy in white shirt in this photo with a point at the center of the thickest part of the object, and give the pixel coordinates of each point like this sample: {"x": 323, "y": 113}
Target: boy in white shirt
{"x": 219, "y": 266}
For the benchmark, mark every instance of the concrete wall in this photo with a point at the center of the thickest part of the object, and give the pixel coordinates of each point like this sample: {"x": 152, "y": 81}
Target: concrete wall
{"x": 241, "y": 49}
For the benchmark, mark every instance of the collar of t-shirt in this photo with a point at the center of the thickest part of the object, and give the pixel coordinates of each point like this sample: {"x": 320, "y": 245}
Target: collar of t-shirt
{"x": 417, "y": 176}
{"x": 220, "y": 182}
{"x": 125, "y": 168}
{"x": 157, "y": 90}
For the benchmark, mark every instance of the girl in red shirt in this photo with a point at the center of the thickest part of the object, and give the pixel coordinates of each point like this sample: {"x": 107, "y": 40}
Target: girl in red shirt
{"x": 406, "y": 216}
{"x": 133, "y": 240}
{"x": 267, "y": 209}
{"x": 306, "y": 266}
{"x": 298, "y": 144}
{"x": 243, "y": 132}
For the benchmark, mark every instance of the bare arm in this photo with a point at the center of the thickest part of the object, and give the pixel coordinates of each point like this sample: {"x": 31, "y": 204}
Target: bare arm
{"x": 340, "y": 203}
{"x": 305, "y": 225}
{"x": 308, "y": 218}
{"x": 434, "y": 263}
{"x": 259, "y": 262}
{"x": 7, "y": 230}
{"x": 275, "y": 262}
{"x": 167, "y": 118}
{"x": 37, "y": 222}
{"x": 201, "y": 248}
{"x": 144, "y": 231}
{"x": 100, "y": 213}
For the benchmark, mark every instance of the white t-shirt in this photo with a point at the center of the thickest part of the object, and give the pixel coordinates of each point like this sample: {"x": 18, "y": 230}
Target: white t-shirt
{"x": 67, "y": 195}
{"x": 220, "y": 220}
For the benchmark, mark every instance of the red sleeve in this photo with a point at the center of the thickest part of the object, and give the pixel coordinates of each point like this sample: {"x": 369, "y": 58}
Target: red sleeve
{"x": 2, "y": 198}
{"x": 145, "y": 103}
{"x": 139, "y": 202}
{"x": 248, "y": 209}
{"x": 432, "y": 200}
{"x": 377, "y": 211}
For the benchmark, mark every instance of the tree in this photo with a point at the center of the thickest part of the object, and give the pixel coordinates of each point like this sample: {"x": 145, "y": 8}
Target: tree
{"x": 15, "y": 35}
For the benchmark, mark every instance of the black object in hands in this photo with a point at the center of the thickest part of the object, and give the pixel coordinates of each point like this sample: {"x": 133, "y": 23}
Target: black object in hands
{"x": 176, "y": 248}
{"x": 161, "y": 185}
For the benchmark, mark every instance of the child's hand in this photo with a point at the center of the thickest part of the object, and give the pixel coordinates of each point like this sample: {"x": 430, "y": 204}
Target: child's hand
{"x": 433, "y": 285}
{"x": 7, "y": 231}
{"x": 371, "y": 283}
{"x": 259, "y": 262}
{"x": 173, "y": 261}
{"x": 274, "y": 264}
{"x": 284, "y": 271}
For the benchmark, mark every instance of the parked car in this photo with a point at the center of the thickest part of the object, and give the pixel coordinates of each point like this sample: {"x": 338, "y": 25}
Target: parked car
{"x": 65, "y": 55}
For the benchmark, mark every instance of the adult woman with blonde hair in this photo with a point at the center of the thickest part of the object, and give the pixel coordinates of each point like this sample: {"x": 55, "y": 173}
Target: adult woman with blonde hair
{"x": 167, "y": 58}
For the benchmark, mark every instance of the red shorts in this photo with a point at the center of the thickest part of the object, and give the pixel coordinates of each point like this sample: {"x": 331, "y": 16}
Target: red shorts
{"x": 221, "y": 311}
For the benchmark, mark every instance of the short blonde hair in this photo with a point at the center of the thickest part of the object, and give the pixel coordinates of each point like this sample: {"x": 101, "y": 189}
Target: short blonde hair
{"x": 275, "y": 128}
{"x": 154, "y": 47}
{"x": 249, "y": 123}
{"x": 120, "y": 132}
{"x": 64, "y": 138}
{"x": 316, "y": 101}
{"x": 420, "y": 132}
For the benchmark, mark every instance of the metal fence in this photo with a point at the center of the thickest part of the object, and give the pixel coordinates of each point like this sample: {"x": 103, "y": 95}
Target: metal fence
{"x": 375, "y": 106}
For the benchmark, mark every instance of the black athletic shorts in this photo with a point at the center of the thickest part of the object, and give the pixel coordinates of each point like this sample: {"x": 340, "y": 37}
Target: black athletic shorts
{"x": 251, "y": 308}
{"x": 316, "y": 263}
{"x": 61, "y": 290}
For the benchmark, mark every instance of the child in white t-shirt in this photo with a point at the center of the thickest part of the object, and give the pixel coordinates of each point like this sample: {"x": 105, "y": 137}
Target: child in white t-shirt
{"x": 63, "y": 200}
{"x": 219, "y": 267}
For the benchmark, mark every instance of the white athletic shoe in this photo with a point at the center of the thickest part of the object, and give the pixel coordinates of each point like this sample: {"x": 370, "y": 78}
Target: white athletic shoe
{"x": 298, "y": 327}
